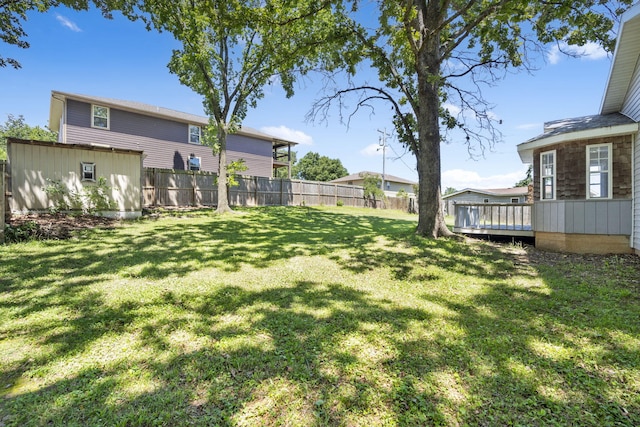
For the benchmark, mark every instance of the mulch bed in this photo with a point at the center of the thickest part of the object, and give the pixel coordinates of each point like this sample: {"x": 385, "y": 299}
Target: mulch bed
{"x": 59, "y": 226}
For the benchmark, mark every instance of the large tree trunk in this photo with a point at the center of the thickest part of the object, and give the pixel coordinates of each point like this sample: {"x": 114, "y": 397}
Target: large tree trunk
{"x": 430, "y": 216}
{"x": 223, "y": 199}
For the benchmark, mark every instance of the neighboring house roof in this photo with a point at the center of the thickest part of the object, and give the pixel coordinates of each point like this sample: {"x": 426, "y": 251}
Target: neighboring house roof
{"x": 359, "y": 176}
{"x": 55, "y": 112}
{"x": 496, "y": 192}
{"x": 624, "y": 61}
{"x": 565, "y": 130}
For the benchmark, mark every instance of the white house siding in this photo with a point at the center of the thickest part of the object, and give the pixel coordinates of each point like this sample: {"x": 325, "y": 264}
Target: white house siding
{"x": 32, "y": 165}
{"x": 636, "y": 197}
{"x": 631, "y": 106}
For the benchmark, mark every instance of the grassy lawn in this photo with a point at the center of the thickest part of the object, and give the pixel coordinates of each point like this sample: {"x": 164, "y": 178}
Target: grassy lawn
{"x": 312, "y": 317}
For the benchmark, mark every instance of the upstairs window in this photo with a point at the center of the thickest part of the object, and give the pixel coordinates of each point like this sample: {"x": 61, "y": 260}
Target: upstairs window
{"x": 599, "y": 171}
{"x": 88, "y": 171}
{"x": 194, "y": 134}
{"x": 548, "y": 175}
{"x": 99, "y": 117}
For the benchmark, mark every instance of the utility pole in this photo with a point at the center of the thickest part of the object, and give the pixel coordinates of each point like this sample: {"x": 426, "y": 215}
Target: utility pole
{"x": 382, "y": 140}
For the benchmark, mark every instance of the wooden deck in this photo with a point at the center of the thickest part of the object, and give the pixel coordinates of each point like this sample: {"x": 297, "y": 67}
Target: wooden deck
{"x": 512, "y": 219}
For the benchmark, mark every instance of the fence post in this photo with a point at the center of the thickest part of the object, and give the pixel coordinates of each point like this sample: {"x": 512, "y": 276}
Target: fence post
{"x": 194, "y": 189}
{"x": 3, "y": 201}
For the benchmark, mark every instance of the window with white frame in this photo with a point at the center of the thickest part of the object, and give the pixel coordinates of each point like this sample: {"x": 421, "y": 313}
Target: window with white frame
{"x": 88, "y": 171}
{"x": 599, "y": 171}
{"x": 194, "y": 134}
{"x": 194, "y": 163}
{"x": 99, "y": 117}
{"x": 548, "y": 175}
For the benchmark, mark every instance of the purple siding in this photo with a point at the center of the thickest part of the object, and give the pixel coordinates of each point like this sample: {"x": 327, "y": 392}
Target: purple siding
{"x": 163, "y": 141}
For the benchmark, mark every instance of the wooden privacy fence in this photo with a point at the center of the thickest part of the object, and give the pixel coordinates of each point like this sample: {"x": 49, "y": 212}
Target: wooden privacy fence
{"x": 178, "y": 188}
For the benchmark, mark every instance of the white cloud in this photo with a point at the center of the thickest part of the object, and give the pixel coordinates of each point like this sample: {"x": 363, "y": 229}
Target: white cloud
{"x": 590, "y": 51}
{"x": 530, "y": 126}
{"x": 288, "y": 134}
{"x": 66, "y": 22}
{"x": 372, "y": 150}
{"x": 454, "y": 110}
{"x": 460, "y": 179}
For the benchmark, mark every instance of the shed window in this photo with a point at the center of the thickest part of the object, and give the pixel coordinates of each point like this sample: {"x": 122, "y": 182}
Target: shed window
{"x": 88, "y": 171}
{"x": 485, "y": 200}
{"x": 99, "y": 117}
{"x": 515, "y": 200}
{"x": 548, "y": 175}
{"x": 599, "y": 171}
{"x": 194, "y": 163}
{"x": 194, "y": 134}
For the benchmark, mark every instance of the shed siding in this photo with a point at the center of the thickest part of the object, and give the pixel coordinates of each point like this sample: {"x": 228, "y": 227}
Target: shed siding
{"x": 631, "y": 105}
{"x": 33, "y": 165}
{"x": 164, "y": 142}
{"x": 606, "y": 217}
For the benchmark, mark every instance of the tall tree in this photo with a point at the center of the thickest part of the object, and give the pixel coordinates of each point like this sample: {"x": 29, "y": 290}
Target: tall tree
{"x": 16, "y": 127}
{"x": 314, "y": 167}
{"x": 14, "y": 12}
{"x": 429, "y": 53}
{"x": 231, "y": 49}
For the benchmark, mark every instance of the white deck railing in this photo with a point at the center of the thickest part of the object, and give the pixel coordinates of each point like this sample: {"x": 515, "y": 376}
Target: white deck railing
{"x": 494, "y": 218}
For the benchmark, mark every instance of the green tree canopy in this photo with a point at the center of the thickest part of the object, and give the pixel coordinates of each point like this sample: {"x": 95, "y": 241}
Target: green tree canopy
{"x": 230, "y": 49}
{"x": 314, "y": 167}
{"x": 449, "y": 190}
{"x": 429, "y": 53}
{"x": 16, "y": 127}
{"x": 528, "y": 179}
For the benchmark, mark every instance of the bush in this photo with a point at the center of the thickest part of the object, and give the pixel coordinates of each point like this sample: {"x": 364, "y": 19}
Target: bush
{"x": 339, "y": 203}
{"x": 26, "y": 231}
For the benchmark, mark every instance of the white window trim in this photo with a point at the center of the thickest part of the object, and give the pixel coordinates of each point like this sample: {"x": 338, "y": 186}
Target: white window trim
{"x": 108, "y": 117}
{"x": 609, "y": 172}
{"x": 93, "y": 168}
{"x": 189, "y": 163}
{"x": 555, "y": 175}
{"x": 199, "y": 134}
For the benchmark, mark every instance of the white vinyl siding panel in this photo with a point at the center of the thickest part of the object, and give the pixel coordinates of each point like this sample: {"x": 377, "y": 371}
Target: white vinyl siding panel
{"x": 631, "y": 106}
{"x": 636, "y": 195}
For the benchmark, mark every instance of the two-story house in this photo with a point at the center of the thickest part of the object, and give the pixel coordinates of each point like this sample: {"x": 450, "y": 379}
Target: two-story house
{"x": 169, "y": 139}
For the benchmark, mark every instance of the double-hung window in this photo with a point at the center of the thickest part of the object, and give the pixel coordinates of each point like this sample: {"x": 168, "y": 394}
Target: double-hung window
{"x": 548, "y": 175}
{"x": 599, "y": 171}
{"x": 194, "y": 134}
{"x": 99, "y": 117}
{"x": 88, "y": 171}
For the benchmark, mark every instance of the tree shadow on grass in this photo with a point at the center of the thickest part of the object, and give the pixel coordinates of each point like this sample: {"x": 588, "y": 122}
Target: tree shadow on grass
{"x": 549, "y": 348}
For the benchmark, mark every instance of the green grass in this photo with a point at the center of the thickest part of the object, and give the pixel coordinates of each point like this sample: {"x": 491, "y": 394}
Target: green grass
{"x": 312, "y": 317}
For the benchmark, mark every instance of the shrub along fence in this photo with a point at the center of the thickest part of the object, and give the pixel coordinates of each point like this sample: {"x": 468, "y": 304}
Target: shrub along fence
{"x": 179, "y": 188}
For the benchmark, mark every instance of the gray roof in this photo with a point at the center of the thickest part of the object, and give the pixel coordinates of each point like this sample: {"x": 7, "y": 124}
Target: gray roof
{"x": 387, "y": 177}
{"x": 152, "y": 110}
{"x": 588, "y": 127}
{"x": 577, "y": 124}
{"x": 498, "y": 192}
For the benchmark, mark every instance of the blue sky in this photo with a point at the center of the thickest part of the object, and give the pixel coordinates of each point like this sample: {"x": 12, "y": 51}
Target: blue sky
{"x": 81, "y": 52}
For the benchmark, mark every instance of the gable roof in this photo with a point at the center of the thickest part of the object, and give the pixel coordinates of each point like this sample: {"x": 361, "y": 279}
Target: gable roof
{"x": 624, "y": 62}
{"x": 57, "y": 99}
{"x": 496, "y": 192}
{"x": 359, "y": 176}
